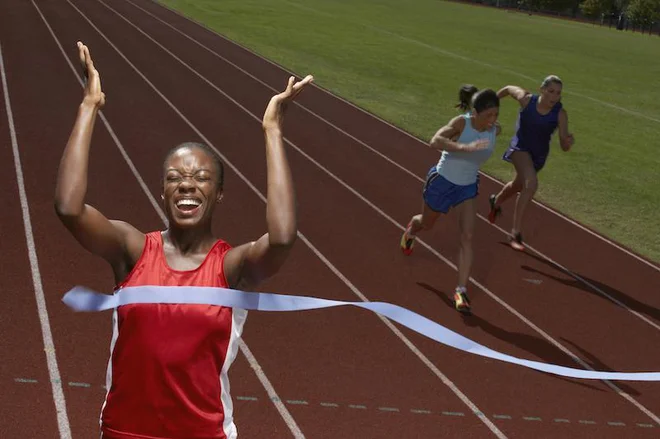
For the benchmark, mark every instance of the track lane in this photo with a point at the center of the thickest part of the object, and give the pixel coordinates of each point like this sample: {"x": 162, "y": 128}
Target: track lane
{"x": 359, "y": 174}
{"x": 296, "y": 327}
{"x": 24, "y": 375}
{"x": 79, "y": 337}
{"x": 230, "y": 131}
{"x": 411, "y": 154}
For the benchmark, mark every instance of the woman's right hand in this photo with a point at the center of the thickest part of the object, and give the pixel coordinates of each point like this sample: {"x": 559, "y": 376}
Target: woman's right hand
{"x": 477, "y": 145}
{"x": 93, "y": 94}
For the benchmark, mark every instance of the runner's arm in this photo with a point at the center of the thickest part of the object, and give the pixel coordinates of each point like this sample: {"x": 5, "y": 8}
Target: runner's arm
{"x": 248, "y": 265}
{"x": 518, "y": 93}
{"x": 109, "y": 239}
{"x": 445, "y": 138}
{"x": 566, "y": 139}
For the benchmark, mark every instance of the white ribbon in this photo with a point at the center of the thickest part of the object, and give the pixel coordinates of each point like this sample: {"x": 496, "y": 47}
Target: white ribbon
{"x": 84, "y": 299}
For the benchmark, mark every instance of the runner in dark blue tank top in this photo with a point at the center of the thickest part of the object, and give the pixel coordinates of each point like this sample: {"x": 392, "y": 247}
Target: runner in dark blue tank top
{"x": 539, "y": 117}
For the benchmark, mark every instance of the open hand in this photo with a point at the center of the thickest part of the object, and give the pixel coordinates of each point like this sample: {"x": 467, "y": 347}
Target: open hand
{"x": 477, "y": 145}
{"x": 93, "y": 94}
{"x": 274, "y": 115}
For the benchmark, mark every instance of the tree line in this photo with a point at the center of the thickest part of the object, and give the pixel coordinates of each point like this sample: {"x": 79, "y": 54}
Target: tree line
{"x": 641, "y": 13}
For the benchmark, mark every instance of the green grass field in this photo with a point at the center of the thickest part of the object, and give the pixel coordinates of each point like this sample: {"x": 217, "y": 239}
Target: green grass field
{"x": 405, "y": 61}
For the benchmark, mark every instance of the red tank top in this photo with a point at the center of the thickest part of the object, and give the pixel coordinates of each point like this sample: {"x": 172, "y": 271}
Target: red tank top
{"x": 167, "y": 373}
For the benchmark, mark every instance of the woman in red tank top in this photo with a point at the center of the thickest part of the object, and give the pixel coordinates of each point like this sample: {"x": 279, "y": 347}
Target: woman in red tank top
{"x": 167, "y": 373}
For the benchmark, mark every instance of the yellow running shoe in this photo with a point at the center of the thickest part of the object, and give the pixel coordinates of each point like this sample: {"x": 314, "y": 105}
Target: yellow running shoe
{"x": 461, "y": 301}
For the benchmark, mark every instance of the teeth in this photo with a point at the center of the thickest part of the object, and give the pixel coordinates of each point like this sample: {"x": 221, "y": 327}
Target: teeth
{"x": 188, "y": 202}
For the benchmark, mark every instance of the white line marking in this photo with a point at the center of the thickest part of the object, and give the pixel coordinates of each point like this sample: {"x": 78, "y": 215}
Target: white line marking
{"x": 273, "y": 89}
{"x": 595, "y": 288}
{"x": 397, "y": 165}
{"x": 383, "y": 214}
{"x": 270, "y": 390}
{"x": 49, "y": 347}
{"x": 385, "y": 122}
{"x": 534, "y": 281}
{"x": 272, "y": 393}
{"x": 411, "y": 346}
{"x": 580, "y": 279}
{"x": 469, "y": 59}
{"x": 329, "y": 404}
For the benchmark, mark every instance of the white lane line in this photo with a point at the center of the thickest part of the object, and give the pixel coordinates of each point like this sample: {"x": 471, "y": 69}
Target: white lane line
{"x": 49, "y": 346}
{"x": 356, "y": 291}
{"x": 254, "y": 364}
{"x": 401, "y": 227}
{"x": 389, "y": 124}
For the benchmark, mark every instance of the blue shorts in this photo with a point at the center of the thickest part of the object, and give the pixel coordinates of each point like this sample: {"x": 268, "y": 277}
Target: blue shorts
{"x": 537, "y": 159}
{"x": 441, "y": 194}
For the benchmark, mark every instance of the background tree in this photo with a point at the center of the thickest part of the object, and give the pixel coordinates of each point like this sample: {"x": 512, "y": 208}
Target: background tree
{"x": 643, "y": 12}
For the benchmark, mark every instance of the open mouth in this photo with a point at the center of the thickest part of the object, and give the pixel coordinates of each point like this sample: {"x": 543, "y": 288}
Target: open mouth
{"x": 188, "y": 206}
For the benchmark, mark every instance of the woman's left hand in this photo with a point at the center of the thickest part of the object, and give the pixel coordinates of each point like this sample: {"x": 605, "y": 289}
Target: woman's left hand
{"x": 274, "y": 115}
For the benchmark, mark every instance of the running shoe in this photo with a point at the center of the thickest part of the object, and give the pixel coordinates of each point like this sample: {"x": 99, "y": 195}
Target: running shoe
{"x": 495, "y": 211}
{"x": 407, "y": 242}
{"x": 517, "y": 242}
{"x": 461, "y": 301}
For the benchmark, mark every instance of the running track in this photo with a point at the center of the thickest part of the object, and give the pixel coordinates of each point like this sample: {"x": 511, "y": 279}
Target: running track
{"x": 575, "y": 300}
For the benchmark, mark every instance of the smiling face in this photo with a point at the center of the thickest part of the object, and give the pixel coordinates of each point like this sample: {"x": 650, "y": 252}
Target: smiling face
{"x": 486, "y": 109}
{"x": 551, "y": 88}
{"x": 487, "y": 118}
{"x": 551, "y": 93}
{"x": 191, "y": 186}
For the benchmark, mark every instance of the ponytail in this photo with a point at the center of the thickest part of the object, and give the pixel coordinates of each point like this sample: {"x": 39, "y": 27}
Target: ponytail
{"x": 465, "y": 95}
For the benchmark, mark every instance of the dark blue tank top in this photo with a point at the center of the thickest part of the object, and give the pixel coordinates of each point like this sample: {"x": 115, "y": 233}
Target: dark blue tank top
{"x": 534, "y": 130}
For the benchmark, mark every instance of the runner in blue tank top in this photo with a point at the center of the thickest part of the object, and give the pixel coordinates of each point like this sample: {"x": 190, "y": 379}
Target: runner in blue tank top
{"x": 539, "y": 117}
{"x": 466, "y": 142}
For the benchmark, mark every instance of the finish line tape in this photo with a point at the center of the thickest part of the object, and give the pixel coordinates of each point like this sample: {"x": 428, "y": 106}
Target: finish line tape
{"x": 84, "y": 299}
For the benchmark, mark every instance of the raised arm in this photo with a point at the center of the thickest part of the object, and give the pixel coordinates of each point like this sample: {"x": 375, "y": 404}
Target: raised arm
{"x": 249, "y": 264}
{"x": 111, "y": 240}
{"x": 445, "y": 138}
{"x": 518, "y": 93}
{"x": 566, "y": 139}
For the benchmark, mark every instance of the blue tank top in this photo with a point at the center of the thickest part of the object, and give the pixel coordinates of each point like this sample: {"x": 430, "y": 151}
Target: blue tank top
{"x": 534, "y": 130}
{"x": 462, "y": 168}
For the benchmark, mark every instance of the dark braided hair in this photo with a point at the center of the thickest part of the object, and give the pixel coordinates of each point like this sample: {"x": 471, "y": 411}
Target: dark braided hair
{"x": 465, "y": 96}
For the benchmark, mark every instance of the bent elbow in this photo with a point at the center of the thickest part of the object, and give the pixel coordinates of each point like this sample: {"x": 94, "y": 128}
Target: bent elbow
{"x": 436, "y": 143}
{"x": 286, "y": 242}
{"x": 283, "y": 240}
{"x": 66, "y": 210}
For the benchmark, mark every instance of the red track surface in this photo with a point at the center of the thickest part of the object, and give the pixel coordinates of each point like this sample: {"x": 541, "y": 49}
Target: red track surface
{"x": 338, "y": 372}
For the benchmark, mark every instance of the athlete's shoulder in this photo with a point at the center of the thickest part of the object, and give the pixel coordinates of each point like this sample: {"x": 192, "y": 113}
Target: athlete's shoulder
{"x": 458, "y": 119}
{"x": 154, "y": 235}
{"x": 221, "y": 246}
{"x": 455, "y": 126}
{"x": 461, "y": 121}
